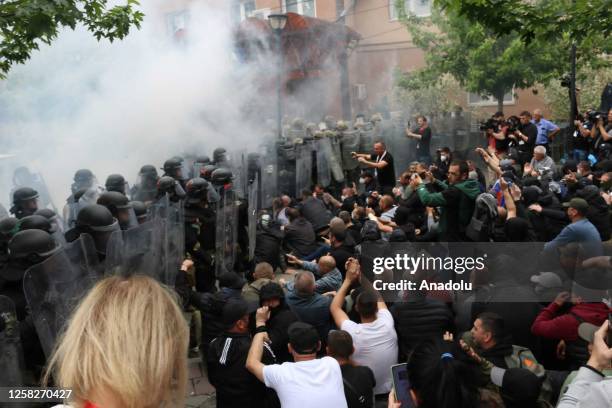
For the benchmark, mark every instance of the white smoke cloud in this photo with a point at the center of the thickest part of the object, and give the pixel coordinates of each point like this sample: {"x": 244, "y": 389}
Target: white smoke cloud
{"x": 80, "y": 103}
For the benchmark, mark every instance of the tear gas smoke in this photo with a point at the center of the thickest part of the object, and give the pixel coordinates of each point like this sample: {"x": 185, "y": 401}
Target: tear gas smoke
{"x": 111, "y": 108}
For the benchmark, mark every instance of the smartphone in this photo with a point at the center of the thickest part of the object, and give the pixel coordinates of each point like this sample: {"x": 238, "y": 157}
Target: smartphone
{"x": 609, "y": 336}
{"x": 401, "y": 385}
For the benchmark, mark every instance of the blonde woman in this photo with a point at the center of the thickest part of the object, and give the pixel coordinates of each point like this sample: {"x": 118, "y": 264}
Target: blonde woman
{"x": 125, "y": 347}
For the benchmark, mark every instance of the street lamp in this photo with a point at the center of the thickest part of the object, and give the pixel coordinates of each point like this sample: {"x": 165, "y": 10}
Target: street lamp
{"x": 277, "y": 23}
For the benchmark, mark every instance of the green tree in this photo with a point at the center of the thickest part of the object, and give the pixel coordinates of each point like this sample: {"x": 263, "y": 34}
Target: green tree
{"x": 24, "y": 24}
{"x": 482, "y": 62}
{"x": 586, "y": 22}
{"x": 591, "y": 81}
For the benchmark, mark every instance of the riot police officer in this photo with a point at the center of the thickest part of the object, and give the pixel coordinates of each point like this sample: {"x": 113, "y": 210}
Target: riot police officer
{"x": 174, "y": 168}
{"x": 145, "y": 189}
{"x": 140, "y": 210}
{"x": 97, "y": 221}
{"x": 219, "y": 157}
{"x": 25, "y": 202}
{"x": 169, "y": 185}
{"x": 119, "y": 206}
{"x": 116, "y": 182}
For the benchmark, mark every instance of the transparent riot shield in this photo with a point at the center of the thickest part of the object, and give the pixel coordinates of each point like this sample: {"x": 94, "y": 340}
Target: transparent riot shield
{"x": 72, "y": 208}
{"x": 269, "y": 178}
{"x": 350, "y": 143}
{"x": 12, "y": 366}
{"x": 303, "y": 167}
{"x": 54, "y": 287}
{"x": 323, "y": 153}
{"x": 226, "y": 233}
{"x": 238, "y": 165}
{"x": 367, "y": 139}
{"x": 171, "y": 216}
{"x": 3, "y": 212}
{"x": 253, "y": 200}
{"x": 331, "y": 150}
{"x": 138, "y": 250}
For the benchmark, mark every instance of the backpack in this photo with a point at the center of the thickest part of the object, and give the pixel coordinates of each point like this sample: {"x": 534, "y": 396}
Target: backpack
{"x": 481, "y": 225}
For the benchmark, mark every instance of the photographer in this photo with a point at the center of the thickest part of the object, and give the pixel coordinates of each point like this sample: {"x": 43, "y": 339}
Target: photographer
{"x": 497, "y": 131}
{"x": 524, "y": 137}
{"x": 601, "y": 133}
{"x": 581, "y": 139}
{"x": 423, "y": 135}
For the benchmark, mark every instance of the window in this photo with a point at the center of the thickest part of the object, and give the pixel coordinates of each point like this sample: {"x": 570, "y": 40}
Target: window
{"x": 242, "y": 9}
{"x": 475, "y": 99}
{"x": 176, "y": 21}
{"x": 420, "y": 8}
{"x": 303, "y": 7}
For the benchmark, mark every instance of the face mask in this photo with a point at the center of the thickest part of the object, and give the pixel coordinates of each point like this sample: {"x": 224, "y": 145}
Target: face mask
{"x": 473, "y": 175}
{"x": 342, "y": 198}
{"x": 362, "y": 181}
{"x": 443, "y": 158}
{"x": 579, "y": 173}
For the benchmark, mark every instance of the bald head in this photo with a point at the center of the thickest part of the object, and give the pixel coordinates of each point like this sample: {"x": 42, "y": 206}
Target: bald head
{"x": 537, "y": 114}
{"x": 327, "y": 264}
{"x": 304, "y": 283}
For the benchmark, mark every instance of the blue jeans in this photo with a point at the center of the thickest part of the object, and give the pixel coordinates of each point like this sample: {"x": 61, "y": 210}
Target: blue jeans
{"x": 579, "y": 155}
{"x": 322, "y": 250}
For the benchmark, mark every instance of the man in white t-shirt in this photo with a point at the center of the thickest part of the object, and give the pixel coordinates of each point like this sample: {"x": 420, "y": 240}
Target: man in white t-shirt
{"x": 307, "y": 383}
{"x": 375, "y": 339}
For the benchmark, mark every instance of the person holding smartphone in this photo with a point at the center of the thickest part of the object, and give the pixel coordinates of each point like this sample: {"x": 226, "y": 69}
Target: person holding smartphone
{"x": 590, "y": 387}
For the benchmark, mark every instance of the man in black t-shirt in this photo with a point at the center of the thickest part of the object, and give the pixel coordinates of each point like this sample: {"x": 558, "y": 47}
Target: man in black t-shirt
{"x": 423, "y": 136}
{"x": 525, "y": 137}
{"x": 358, "y": 381}
{"x": 382, "y": 163}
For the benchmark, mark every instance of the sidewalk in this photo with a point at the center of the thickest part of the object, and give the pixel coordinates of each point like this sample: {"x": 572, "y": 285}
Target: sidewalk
{"x": 200, "y": 394}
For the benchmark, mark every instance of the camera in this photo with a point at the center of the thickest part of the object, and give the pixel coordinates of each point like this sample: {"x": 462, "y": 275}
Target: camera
{"x": 566, "y": 81}
{"x": 489, "y": 124}
{"x": 594, "y": 116}
{"x": 513, "y": 123}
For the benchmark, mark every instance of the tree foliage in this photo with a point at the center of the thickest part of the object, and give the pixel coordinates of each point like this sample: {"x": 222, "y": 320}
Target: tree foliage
{"x": 482, "y": 62}
{"x": 24, "y": 24}
{"x": 587, "y": 22}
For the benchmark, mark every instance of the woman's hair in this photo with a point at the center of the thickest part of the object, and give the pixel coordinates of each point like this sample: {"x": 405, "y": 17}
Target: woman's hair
{"x": 442, "y": 376}
{"x": 128, "y": 340}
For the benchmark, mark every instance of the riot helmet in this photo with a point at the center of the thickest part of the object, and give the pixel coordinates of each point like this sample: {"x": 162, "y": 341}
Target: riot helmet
{"x": 140, "y": 210}
{"x": 170, "y": 186}
{"x": 207, "y": 171}
{"x": 119, "y": 206}
{"x": 149, "y": 171}
{"x": 221, "y": 176}
{"x": 197, "y": 190}
{"x": 56, "y": 223}
{"x": 116, "y": 182}
{"x": 97, "y": 221}
{"x": 25, "y": 202}
{"x": 33, "y": 245}
{"x": 35, "y": 222}
{"x": 219, "y": 155}
{"x": 202, "y": 159}
{"x": 8, "y": 227}
{"x": 173, "y": 167}
{"x": 83, "y": 178}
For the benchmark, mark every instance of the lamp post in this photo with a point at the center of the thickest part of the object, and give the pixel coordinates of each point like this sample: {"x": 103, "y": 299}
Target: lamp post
{"x": 277, "y": 23}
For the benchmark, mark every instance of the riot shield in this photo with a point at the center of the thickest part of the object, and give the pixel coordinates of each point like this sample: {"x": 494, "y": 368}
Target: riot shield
{"x": 269, "y": 177}
{"x": 331, "y": 147}
{"x": 238, "y": 165}
{"x": 253, "y": 212}
{"x": 54, "y": 287}
{"x": 171, "y": 216}
{"x": 303, "y": 167}
{"x": 12, "y": 366}
{"x": 138, "y": 250}
{"x": 350, "y": 143}
{"x": 72, "y": 208}
{"x": 226, "y": 233}
{"x": 366, "y": 139}
{"x": 323, "y": 153}
{"x": 3, "y": 212}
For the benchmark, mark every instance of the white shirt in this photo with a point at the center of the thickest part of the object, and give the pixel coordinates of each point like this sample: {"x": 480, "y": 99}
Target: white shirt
{"x": 307, "y": 384}
{"x": 375, "y": 347}
{"x": 378, "y": 160}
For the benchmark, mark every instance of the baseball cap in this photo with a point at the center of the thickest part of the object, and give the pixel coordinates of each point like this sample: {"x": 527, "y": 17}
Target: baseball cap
{"x": 236, "y": 309}
{"x": 547, "y": 280}
{"x": 577, "y": 203}
{"x": 303, "y": 338}
{"x": 518, "y": 385}
{"x": 586, "y": 331}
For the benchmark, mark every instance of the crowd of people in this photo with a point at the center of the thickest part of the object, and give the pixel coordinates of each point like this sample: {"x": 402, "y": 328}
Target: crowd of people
{"x": 300, "y": 324}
